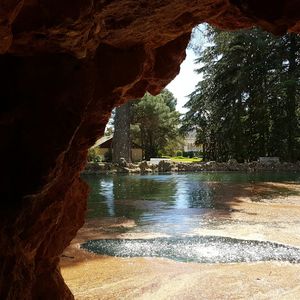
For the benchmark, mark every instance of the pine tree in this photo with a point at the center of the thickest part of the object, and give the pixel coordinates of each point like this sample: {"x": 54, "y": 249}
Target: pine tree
{"x": 155, "y": 123}
{"x": 246, "y": 105}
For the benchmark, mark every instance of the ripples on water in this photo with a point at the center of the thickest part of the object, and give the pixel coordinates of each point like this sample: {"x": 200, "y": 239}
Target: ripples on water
{"x": 176, "y": 205}
{"x": 196, "y": 249}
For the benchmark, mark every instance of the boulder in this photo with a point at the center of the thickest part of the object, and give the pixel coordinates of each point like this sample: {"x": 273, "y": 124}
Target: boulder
{"x": 165, "y": 166}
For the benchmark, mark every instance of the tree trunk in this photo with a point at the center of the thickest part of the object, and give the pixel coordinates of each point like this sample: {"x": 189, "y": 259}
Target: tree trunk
{"x": 122, "y": 140}
{"x": 291, "y": 98}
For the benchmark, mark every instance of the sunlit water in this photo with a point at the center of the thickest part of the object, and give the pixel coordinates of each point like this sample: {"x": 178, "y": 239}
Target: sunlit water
{"x": 198, "y": 249}
{"x": 175, "y": 205}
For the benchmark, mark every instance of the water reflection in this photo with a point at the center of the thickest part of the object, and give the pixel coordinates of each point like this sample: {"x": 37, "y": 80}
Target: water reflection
{"x": 117, "y": 195}
{"x": 193, "y": 193}
{"x": 106, "y": 188}
{"x": 166, "y": 203}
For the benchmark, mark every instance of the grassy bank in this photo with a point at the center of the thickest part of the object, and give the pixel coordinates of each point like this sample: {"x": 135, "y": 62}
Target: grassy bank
{"x": 185, "y": 159}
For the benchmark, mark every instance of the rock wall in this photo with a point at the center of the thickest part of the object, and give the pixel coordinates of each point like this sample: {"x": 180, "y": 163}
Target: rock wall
{"x": 64, "y": 65}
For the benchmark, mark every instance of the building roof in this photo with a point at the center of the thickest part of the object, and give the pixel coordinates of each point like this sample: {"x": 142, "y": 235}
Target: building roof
{"x": 106, "y": 142}
{"x": 102, "y": 140}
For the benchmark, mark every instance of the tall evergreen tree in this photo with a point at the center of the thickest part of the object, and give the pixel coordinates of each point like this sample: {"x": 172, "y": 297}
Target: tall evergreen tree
{"x": 156, "y": 123}
{"x": 246, "y": 105}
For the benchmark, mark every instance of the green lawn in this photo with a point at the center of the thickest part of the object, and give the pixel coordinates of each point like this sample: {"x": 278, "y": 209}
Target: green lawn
{"x": 185, "y": 159}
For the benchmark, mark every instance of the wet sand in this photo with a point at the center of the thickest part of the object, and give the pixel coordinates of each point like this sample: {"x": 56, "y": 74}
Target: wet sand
{"x": 264, "y": 212}
{"x": 268, "y": 211}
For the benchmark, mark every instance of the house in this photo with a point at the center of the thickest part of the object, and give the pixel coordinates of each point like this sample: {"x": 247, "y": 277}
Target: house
{"x": 189, "y": 143}
{"x": 105, "y": 146}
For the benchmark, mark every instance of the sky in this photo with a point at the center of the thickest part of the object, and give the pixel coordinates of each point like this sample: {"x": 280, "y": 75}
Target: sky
{"x": 184, "y": 83}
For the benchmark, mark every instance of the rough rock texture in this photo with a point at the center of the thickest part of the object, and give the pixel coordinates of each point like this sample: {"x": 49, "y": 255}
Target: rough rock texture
{"x": 64, "y": 65}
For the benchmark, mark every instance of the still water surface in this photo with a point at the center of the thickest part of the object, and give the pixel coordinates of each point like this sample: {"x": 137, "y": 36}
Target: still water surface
{"x": 173, "y": 206}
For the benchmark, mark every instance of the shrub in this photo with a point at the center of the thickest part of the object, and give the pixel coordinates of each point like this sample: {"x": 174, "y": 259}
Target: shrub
{"x": 189, "y": 154}
{"x": 178, "y": 153}
{"x": 93, "y": 156}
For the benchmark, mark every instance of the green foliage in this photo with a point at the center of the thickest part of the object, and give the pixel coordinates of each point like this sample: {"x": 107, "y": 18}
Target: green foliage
{"x": 189, "y": 154}
{"x": 178, "y": 153}
{"x": 155, "y": 123}
{"x": 109, "y": 131}
{"x": 247, "y": 104}
{"x": 93, "y": 156}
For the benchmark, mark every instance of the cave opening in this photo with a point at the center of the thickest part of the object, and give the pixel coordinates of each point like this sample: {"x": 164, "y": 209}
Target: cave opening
{"x": 63, "y": 69}
{"x": 146, "y": 220}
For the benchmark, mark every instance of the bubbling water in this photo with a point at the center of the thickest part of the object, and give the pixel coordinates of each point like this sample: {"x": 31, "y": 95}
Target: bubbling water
{"x": 202, "y": 249}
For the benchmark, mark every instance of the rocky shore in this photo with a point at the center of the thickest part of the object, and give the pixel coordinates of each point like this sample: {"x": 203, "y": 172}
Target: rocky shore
{"x": 169, "y": 166}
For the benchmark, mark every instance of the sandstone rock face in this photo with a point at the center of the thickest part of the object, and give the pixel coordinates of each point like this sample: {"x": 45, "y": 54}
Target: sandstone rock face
{"x": 64, "y": 65}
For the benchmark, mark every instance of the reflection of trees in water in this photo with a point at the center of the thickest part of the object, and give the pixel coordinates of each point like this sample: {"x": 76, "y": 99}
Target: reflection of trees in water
{"x": 128, "y": 189}
{"x": 191, "y": 193}
{"x": 143, "y": 188}
{"x": 107, "y": 190}
{"x": 112, "y": 195}
{"x": 119, "y": 195}
{"x": 97, "y": 207}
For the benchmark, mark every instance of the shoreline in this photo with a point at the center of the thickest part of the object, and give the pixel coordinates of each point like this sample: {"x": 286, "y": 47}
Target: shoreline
{"x": 174, "y": 167}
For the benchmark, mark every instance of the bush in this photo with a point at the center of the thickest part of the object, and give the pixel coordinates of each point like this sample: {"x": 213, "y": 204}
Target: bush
{"x": 93, "y": 156}
{"x": 189, "y": 154}
{"x": 178, "y": 153}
